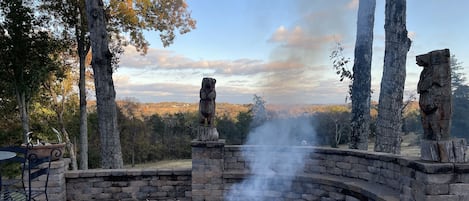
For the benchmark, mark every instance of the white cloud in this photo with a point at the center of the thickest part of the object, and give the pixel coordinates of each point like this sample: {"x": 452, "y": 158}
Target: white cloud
{"x": 299, "y": 38}
{"x": 412, "y": 35}
{"x": 295, "y": 71}
{"x": 353, "y": 4}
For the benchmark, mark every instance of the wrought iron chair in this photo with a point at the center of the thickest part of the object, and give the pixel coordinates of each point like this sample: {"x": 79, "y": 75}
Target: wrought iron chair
{"x": 13, "y": 188}
{"x": 32, "y": 167}
{"x": 39, "y": 167}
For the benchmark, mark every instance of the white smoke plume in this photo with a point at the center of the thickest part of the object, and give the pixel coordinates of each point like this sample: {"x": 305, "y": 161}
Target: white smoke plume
{"x": 273, "y": 155}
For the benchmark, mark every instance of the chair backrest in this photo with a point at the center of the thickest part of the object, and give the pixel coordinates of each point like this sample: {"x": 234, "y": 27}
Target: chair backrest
{"x": 38, "y": 166}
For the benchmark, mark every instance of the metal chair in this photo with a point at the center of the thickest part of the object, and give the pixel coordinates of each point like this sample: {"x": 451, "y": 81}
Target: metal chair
{"x": 33, "y": 167}
{"x": 37, "y": 167}
{"x": 13, "y": 188}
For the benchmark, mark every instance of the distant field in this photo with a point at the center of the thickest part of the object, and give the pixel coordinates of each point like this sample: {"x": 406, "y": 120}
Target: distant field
{"x": 183, "y": 163}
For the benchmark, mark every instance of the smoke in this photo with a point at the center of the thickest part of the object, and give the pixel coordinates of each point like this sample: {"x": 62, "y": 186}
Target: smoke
{"x": 274, "y": 155}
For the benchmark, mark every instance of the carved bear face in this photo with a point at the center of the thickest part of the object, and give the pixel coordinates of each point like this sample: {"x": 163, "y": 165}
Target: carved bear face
{"x": 208, "y": 83}
{"x": 423, "y": 60}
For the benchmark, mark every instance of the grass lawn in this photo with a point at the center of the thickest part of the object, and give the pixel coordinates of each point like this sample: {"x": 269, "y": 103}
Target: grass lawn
{"x": 181, "y": 163}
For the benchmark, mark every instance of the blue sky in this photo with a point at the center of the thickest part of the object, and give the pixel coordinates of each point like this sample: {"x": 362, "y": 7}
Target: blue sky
{"x": 279, "y": 49}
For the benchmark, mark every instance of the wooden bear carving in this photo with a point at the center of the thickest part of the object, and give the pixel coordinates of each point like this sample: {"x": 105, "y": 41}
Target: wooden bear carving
{"x": 434, "y": 88}
{"x": 207, "y": 102}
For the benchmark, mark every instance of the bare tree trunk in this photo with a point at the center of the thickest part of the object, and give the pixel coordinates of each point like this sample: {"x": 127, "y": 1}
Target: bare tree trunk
{"x": 82, "y": 52}
{"x": 83, "y": 113}
{"x": 22, "y": 106}
{"x": 111, "y": 155}
{"x": 389, "y": 122}
{"x": 361, "y": 87}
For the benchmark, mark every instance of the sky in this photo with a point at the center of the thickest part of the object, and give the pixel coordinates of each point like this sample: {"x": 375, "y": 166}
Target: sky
{"x": 279, "y": 49}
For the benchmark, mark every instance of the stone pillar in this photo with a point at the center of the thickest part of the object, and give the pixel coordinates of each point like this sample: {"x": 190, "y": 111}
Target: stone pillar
{"x": 56, "y": 189}
{"x": 207, "y": 170}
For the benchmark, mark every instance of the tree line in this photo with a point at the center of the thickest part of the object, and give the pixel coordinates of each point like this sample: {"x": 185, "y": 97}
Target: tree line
{"x": 46, "y": 47}
{"x": 41, "y": 40}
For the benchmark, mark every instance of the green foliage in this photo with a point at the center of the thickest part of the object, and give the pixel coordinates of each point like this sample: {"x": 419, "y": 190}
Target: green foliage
{"x": 27, "y": 52}
{"x": 460, "y": 119}
{"x": 339, "y": 64}
{"x": 9, "y": 134}
{"x": 332, "y": 126}
{"x": 460, "y": 97}
{"x": 146, "y": 139}
{"x": 29, "y": 55}
{"x": 94, "y": 155}
{"x": 457, "y": 77}
{"x": 235, "y": 131}
{"x": 164, "y": 16}
{"x": 412, "y": 122}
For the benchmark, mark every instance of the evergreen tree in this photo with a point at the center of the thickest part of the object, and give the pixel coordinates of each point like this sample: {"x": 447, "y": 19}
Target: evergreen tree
{"x": 459, "y": 120}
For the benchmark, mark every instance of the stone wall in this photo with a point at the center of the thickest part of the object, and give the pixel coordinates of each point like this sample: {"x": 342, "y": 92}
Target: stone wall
{"x": 328, "y": 174}
{"x": 129, "y": 184}
{"x": 56, "y": 185}
{"x": 405, "y": 178}
{"x": 207, "y": 170}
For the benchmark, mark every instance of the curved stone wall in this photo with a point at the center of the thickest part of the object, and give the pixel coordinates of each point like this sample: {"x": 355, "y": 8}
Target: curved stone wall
{"x": 328, "y": 174}
{"x": 371, "y": 174}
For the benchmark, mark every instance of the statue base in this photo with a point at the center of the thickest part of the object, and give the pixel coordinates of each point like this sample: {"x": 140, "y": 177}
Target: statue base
{"x": 444, "y": 151}
{"x": 207, "y": 133}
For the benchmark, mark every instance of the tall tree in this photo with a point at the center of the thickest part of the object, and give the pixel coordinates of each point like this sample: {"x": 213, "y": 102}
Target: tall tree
{"x": 111, "y": 155}
{"x": 71, "y": 15}
{"x": 123, "y": 17}
{"x": 26, "y": 51}
{"x": 361, "y": 86}
{"x": 83, "y": 48}
{"x": 458, "y": 78}
{"x": 259, "y": 111}
{"x": 397, "y": 44}
{"x": 460, "y": 97}
{"x": 60, "y": 91}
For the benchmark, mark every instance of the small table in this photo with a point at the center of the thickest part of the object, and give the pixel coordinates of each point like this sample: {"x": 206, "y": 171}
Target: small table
{"x": 4, "y": 155}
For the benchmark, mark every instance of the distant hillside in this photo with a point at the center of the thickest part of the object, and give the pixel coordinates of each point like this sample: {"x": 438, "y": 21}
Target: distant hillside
{"x": 163, "y": 108}
{"x": 232, "y": 110}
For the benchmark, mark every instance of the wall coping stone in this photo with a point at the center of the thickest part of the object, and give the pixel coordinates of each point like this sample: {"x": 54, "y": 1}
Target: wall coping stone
{"x": 127, "y": 172}
{"x": 208, "y": 144}
{"x": 412, "y": 162}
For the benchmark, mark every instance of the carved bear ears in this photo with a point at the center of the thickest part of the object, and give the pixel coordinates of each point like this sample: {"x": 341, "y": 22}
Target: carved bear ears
{"x": 208, "y": 82}
{"x": 432, "y": 58}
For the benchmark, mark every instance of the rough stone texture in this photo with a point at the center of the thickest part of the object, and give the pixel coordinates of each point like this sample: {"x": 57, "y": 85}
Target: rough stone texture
{"x": 56, "y": 185}
{"x": 207, "y": 170}
{"x": 329, "y": 174}
{"x": 129, "y": 184}
{"x": 405, "y": 178}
